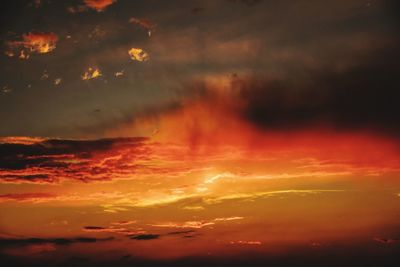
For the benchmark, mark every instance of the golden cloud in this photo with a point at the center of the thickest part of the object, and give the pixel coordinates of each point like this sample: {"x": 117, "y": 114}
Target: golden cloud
{"x": 138, "y": 54}
{"x": 188, "y": 224}
{"x": 91, "y": 73}
{"x": 33, "y": 42}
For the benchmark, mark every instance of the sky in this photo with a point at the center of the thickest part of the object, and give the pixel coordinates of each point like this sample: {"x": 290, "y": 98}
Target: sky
{"x": 213, "y": 132}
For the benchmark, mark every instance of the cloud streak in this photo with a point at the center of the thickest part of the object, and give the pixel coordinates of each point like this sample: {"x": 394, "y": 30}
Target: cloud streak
{"x": 8, "y": 242}
{"x": 52, "y": 160}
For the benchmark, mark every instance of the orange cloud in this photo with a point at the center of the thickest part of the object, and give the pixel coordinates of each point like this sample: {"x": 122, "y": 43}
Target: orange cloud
{"x": 91, "y": 73}
{"x": 40, "y": 42}
{"x": 99, "y": 5}
{"x": 23, "y": 140}
{"x": 138, "y": 54}
{"x": 33, "y": 42}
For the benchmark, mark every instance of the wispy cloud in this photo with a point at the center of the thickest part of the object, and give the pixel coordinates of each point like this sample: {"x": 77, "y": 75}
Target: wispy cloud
{"x": 197, "y": 224}
{"x": 188, "y": 224}
{"x": 27, "y": 197}
{"x": 255, "y": 195}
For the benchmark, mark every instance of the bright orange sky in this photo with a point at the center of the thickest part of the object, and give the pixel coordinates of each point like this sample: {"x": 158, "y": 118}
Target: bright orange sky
{"x": 212, "y": 183}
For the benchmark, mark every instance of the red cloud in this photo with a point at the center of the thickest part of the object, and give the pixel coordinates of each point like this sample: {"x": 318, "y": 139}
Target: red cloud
{"x": 99, "y": 5}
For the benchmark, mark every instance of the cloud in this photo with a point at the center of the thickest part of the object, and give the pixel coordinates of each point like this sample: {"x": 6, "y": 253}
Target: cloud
{"x": 360, "y": 97}
{"x": 181, "y": 232}
{"x": 52, "y": 160}
{"x": 256, "y": 195}
{"x": 99, "y": 5}
{"x": 93, "y": 228}
{"x": 356, "y": 96}
{"x": 33, "y": 42}
{"x": 57, "y": 81}
{"x": 27, "y": 197}
{"x": 241, "y": 242}
{"x": 188, "y": 224}
{"x": 196, "y": 224}
{"x": 224, "y": 219}
{"x": 23, "y": 140}
{"x": 124, "y": 222}
{"x": 146, "y": 237}
{"x": 138, "y": 54}
{"x": 112, "y": 229}
{"x": 7, "y": 242}
{"x": 193, "y": 208}
{"x": 91, "y": 73}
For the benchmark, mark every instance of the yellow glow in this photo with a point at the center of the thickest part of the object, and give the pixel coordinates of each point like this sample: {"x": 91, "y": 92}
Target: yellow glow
{"x": 91, "y": 73}
{"x": 138, "y": 54}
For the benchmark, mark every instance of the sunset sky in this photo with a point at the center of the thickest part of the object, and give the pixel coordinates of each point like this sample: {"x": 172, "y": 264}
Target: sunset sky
{"x": 200, "y": 133}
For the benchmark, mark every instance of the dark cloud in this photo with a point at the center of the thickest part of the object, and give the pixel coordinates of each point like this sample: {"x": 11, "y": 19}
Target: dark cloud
{"x": 181, "y": 232}
{"x": 30, "y": 178}
{"x": 53, "y": 159}
{"x": 246, "y": 2}
{"x": 93, "y": 228}
{"x": 145, "y": 237}
{"x": 330, "y": 256}
{"x": 363, "y": 96}
{"x": 8, "y": 242}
